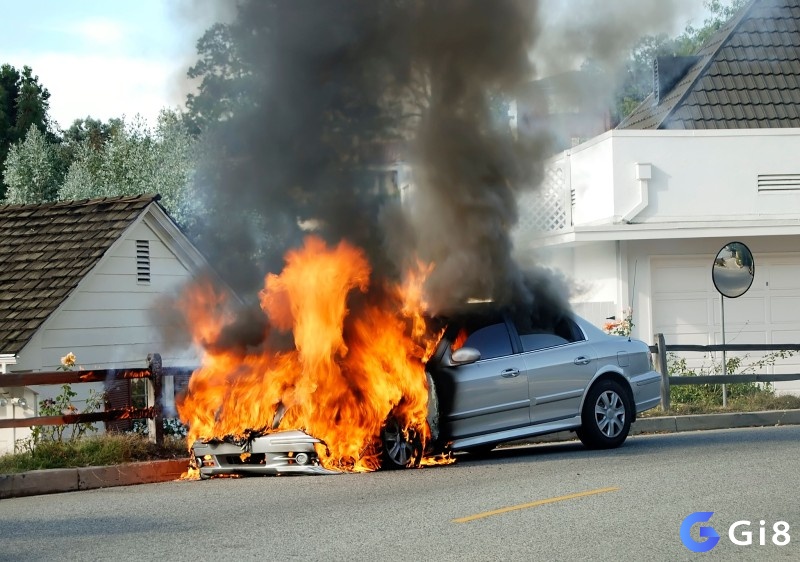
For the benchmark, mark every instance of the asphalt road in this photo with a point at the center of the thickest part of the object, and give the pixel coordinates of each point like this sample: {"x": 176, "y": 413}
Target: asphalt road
{"x": 567, "y": 504}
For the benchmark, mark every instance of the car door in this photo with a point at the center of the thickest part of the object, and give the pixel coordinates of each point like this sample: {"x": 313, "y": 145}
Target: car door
{"x": 488, "y": 395}
{"x": 559, "y": 363}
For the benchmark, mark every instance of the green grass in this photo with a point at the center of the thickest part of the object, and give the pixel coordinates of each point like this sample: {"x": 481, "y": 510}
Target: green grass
{"x": 99, "y": 450}
{"x": 710, "y": 402}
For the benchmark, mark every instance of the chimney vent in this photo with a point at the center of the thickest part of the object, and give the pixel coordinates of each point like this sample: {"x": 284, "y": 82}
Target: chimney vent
{"x": 668, "y": 71}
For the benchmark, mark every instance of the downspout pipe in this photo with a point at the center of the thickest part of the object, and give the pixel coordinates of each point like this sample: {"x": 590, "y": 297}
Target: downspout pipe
{"x": 642, "y": 173}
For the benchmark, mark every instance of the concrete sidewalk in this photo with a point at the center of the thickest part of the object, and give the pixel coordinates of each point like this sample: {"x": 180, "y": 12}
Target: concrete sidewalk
{"x": 53, "y": 481}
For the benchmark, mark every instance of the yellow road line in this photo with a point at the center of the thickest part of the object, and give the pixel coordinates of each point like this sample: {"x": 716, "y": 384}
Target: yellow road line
{"x": 533, "y": 504}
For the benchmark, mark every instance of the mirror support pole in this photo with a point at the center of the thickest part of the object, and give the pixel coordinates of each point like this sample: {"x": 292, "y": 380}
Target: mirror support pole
{"x": 724, "y": 355}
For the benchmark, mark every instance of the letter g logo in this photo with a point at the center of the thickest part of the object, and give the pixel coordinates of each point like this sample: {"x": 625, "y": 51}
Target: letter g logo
{"x": 711, "y": 536}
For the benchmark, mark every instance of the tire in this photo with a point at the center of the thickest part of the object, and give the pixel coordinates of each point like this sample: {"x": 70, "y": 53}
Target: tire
{"x": 606, "y": 416}
{"x": 399, "y": 449}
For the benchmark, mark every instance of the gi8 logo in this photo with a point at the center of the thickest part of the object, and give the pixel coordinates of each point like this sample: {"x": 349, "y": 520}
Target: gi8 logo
{"x": 780, "y": 533}
{"x": 711, "y": 536}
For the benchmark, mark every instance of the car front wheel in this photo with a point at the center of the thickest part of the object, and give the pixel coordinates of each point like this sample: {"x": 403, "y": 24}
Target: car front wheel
{"x": 399, "y": 448}
{"x": 606, "y": 416}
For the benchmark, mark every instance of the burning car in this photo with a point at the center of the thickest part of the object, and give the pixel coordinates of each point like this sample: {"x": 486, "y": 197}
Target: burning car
{"x": 503, "y": 375}
{"x": 496, "y": 375}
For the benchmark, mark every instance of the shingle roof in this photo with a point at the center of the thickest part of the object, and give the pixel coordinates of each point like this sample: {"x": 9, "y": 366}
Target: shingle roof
{"x": 747, "y": 76}
{"x": 45, "y": 250}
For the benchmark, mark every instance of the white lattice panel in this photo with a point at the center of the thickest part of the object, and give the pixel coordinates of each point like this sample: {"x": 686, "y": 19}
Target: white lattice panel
{"x": 544, "y": 209}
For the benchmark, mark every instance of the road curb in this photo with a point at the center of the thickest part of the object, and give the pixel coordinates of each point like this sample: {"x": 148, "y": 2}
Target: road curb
{"x": 52, "y": 481}
{"x": 689, "y": 422}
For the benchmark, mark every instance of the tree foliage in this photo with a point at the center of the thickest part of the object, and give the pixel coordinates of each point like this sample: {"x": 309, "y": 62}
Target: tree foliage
{"x": 129, "y": 158}
{"x": 96, "y": 159}
{"x": 23, "y": 104}
{"x": 33, "y": 170}
{"x": 225, "y": 88}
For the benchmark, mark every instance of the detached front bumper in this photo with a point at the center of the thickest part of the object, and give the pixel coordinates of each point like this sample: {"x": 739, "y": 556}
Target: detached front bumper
{"x": 284, "y": 452}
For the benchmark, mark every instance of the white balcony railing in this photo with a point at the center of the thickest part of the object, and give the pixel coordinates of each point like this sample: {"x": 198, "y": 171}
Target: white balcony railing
{"x": 548, "y": 208}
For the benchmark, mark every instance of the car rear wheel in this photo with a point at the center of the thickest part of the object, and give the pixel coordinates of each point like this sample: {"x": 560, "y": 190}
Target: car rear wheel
{"x": 399, "y": 448}
{"x": 606, "y": 416}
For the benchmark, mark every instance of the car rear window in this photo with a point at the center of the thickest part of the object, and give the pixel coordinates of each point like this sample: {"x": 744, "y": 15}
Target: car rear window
{"x": 532, "y": 342}
{"x": 537, "y": 333}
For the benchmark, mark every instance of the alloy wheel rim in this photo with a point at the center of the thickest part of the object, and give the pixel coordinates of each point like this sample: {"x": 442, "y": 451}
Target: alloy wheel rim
{"x": 609, "y": 413}
{"x": 397, "y": 446}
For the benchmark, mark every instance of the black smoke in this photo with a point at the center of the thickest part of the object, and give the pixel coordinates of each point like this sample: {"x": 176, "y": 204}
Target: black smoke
{"x": 315, "y": 93}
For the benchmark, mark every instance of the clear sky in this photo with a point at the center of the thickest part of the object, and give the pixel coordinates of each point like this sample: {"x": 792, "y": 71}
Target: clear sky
{"x": 103, "y": 58}
{"x": 108, "y": 58}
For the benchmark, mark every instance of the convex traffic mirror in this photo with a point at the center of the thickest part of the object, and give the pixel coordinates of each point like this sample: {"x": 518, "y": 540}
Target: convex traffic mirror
{"x": 734, "y": 270}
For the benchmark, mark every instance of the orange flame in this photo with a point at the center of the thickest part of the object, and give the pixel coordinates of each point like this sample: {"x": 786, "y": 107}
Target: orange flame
{"x": 349, "y": 369}
{"x": 191, "y": 473}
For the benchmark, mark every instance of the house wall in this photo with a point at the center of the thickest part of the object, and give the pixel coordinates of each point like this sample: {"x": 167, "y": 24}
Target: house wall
{"x": 10, "y": 436}
{"x": 696, "y": 175}
{"x": 592, "y": 271}
{"x": 591, "y": 173}
{"x": 644, "y": 252}
{"x": 683, "y": 303}
{"x": 667, "y": 284}
{"x": 108, "y": 320}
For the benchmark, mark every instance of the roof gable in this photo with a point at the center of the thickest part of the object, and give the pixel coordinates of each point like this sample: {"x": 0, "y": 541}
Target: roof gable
{"x": 747, "y": 76}
{"x": 45, "y": 251}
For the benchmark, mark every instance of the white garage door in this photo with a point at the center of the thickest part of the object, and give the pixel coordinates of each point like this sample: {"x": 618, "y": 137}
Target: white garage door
{"x": 686, "y": 308}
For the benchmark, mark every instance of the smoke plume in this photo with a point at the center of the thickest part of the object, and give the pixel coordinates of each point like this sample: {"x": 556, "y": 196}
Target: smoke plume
{"x": 319, "y": 92}
{"x": 604, "y": 31}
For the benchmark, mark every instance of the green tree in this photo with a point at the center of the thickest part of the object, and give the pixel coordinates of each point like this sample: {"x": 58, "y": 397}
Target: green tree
{"x": 94, "y": 131}
{"x": 719, "y": 13}
{"x": 23, "y": 103}
{"x": 95, "y": 159}
{"x": 225, "y": 88}
{"x": 33, "y": 170}
{"x": 134, "y": 158}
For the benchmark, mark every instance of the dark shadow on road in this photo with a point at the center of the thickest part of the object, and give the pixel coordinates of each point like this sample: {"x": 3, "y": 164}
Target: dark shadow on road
{"x": 657, "y": 444}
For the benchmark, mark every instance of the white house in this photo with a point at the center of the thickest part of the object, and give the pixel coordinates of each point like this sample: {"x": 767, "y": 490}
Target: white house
{"x": 636, "y": 215}
{"x": 82, "y": 277}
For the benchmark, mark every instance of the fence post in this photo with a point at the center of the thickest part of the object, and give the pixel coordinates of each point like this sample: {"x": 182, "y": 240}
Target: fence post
{"x": 155, "y": 425}
{"x": 661, "y": 362}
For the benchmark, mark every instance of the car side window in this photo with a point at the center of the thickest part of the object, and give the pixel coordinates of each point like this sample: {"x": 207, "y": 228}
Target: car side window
{"x": 492, "y": 341}
{"x": 536, "y": 334}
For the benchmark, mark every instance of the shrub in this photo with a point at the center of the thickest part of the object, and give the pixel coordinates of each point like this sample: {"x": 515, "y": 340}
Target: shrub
{"x": 96, "y": 450}
{"x": 692, "y": 396}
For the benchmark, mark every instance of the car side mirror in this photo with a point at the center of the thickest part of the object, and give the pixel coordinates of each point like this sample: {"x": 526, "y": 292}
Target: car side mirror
{"x": 465, "y": 356}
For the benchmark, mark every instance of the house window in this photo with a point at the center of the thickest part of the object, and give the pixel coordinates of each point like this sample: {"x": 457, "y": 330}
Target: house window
{"x": 143, "y": 261}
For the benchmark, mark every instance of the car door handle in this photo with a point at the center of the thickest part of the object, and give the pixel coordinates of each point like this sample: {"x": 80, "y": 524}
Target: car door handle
{"x": 508, "y": 373}
{"x": 582, "y": 360}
